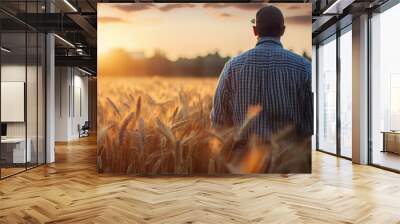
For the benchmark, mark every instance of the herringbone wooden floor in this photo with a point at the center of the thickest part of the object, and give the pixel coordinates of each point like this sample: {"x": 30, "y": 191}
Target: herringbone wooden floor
{"x": 70, "y": 191}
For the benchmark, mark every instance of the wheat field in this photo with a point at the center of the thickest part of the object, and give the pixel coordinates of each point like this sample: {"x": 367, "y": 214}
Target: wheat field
{"x": 154, "y": 125}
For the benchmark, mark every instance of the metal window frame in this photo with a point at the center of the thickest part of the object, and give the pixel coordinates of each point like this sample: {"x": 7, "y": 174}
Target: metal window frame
{"x": 381, "y": 9}
{"x": 339, "y": 32}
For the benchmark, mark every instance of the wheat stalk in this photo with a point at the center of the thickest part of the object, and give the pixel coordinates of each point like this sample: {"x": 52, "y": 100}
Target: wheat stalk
{"x": 170, "y": 131}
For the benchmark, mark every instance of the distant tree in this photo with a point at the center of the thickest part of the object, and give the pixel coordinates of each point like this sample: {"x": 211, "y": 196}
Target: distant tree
{"x": 120, "y": 62}
{"x": 117, "y": 62}
{"x": 159, "y": 64}
{"x": 208, "y": 65}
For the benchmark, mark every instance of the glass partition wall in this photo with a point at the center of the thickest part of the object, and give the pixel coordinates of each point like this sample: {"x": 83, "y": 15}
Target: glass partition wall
{"x": 327, "y": 96}
{"x": 334, "y": 94}
{"x": 22, "y": 95}
{"x": 13, "y": 110}
{"x": 385, "y": 89}
{"x": 346, "y": 95}
{"x": 334, "y": 69}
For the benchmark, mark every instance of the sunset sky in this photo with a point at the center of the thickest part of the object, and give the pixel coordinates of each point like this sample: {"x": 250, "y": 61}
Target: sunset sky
{"x": 192, "y": 29}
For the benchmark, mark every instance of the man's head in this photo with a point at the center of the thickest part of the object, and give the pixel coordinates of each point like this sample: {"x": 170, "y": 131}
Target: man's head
{"x": 269, "y": 22}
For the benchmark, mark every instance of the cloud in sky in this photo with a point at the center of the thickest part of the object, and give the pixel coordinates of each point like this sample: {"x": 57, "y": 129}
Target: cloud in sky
{"x": 166, "y": 7}
{"x": 223, "y": 26}
{"x": 244, "y": 6}
{"x": 215, "y": 5}
{"x": 294, "y": 7}
{"x": 132, "y": 7}
{"x": 110, "y": 19}
{"x": 296, "y": 18}
{"x": 301, "y": 20}
{"x": 250, "y": 6}
{"x": 129, "y": 7}
{"x": 255, "y": 6}
{"x": 169, "y": 7}
{"x": 224, "y": 14}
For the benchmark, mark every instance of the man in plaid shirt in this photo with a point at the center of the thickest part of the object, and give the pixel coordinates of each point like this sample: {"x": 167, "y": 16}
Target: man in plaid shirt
{"x": 270, "y": 76}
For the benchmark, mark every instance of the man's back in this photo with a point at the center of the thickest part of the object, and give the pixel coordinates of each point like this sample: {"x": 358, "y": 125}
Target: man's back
{"x": 272, "y": 77}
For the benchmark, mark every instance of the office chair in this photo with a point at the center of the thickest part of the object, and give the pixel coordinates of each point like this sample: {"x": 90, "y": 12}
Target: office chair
{"x": 84, "y": 130}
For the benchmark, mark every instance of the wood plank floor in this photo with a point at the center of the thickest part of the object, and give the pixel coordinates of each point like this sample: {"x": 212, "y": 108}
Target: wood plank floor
{"x": 10, "y": 171}
{"x": 70, "y": 191}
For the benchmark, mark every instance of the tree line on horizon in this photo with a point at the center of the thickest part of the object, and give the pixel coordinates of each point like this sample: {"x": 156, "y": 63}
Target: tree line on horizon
{"x": 120, "y": 62}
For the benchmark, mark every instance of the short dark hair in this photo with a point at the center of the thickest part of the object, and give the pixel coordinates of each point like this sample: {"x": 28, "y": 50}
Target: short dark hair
{"x": 269, "y": 22}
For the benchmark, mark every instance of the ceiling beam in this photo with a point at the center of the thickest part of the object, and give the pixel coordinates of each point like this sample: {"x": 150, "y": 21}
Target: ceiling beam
{"x": 337, "y": 7}
{"x": 81, "y": 61}
{"x": 83, "y": 23}
{"x": 49, "y": 22}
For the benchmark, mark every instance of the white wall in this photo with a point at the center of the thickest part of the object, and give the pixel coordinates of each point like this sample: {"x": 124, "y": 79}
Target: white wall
{"x": 71, "y": 94}
{"x": 33, "y": 127}
{"x": 62, "y": 81}
{"x": 12, "y": 73}
{"x": 81, "y": 103}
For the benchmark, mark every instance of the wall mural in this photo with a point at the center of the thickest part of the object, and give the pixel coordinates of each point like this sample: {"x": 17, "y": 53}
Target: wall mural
{"x": 179, "y": 92}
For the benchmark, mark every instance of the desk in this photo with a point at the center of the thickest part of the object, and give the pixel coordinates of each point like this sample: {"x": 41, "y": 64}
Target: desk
{"x": 391, "y": 141}
{"x": 13, "y": 150}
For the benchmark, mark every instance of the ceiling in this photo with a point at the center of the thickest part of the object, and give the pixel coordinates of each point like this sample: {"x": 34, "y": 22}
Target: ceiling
{"x": 332, "y": 15}
{"x": 75, "y": 22}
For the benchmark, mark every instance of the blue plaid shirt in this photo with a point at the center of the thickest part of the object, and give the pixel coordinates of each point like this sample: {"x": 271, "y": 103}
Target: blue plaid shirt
{"x": 270, "y": 76}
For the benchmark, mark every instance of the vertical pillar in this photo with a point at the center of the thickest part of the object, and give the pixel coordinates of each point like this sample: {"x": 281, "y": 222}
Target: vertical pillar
{"x": 360, "y": 89}
{"x": 50, "y": 92}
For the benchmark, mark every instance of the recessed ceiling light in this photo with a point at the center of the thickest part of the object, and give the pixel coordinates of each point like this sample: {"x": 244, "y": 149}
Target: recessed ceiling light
{"x": 337, "y": 7}
{"x": 5, "y": 50}
{"x": 84, "y": 71}
{"x": 64, "y": 40}
{"x": 70, "y": 5}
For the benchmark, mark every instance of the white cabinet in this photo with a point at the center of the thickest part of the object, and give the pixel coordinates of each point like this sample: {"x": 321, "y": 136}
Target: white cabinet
{"x": 17, "y": 147}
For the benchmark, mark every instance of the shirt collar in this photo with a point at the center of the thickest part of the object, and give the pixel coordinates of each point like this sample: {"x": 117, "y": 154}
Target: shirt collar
{"x": 273, "y": 40}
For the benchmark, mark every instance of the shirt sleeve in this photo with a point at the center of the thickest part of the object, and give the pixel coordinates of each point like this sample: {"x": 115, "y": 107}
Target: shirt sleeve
{"x": 221, "y": 113}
